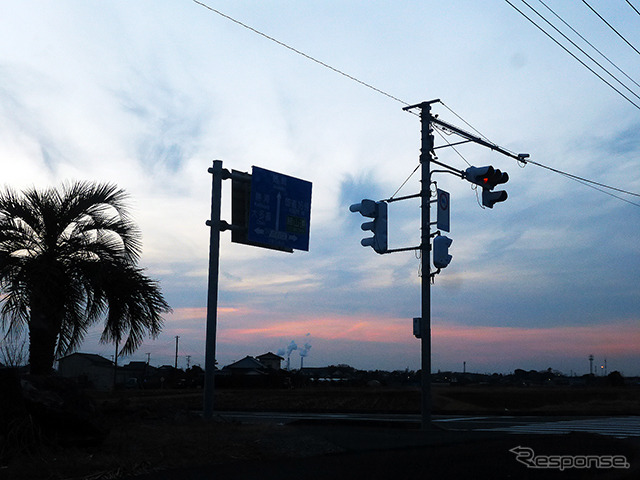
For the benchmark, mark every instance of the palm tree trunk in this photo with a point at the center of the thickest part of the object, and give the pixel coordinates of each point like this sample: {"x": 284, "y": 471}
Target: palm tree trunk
{"x": 115, "y": 365}
{"x": 43, "y": 336}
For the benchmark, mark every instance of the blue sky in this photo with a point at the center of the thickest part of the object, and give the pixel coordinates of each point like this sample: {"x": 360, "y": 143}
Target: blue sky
{"x": 146, "y": 94}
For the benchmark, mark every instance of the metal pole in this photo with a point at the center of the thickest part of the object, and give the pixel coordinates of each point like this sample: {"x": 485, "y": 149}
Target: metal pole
{"x": 115, "y": 365}
{"x": 425, "y": 326}
{"x": 176, "y": 359}
{"x": 212, "y": 295}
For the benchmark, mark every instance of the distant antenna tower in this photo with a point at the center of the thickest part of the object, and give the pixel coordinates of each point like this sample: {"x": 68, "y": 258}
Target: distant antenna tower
{"x": 590, "y": 364}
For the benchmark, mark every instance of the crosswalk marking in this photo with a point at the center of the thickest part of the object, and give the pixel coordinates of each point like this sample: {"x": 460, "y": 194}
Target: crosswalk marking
{"x": 619, "y": 427}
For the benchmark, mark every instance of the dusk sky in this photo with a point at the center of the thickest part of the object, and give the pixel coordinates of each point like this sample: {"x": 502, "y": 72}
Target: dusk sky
{"x": 147, "y": 94}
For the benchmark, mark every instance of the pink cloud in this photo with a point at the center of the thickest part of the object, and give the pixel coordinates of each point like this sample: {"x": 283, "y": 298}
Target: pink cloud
{"x": 344, "y": 335}
{"x": 329, "y": 328}
{"x": 618, "y": 339}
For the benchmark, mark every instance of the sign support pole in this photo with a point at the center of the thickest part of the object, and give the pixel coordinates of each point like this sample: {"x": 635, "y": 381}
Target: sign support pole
{"x": 212, "y": 294}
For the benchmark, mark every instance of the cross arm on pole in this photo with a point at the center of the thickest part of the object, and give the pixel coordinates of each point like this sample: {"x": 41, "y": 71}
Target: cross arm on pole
{"x": 474, "y": 138}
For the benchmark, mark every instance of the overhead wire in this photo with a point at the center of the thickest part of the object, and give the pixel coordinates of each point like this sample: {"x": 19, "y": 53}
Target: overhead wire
{"x": 590, "y": 183}
{"x": 439, "y": 130}
{"x": 634, "y": 8}
{"x": 581, "y": 49}
{"x": 463, "y": 120}
{"x": 589, "y": 43}
{"x": 611, "y": 27}
{"x": 308, "y": 57}
{"x": 593, "y": 185}
{"x": 583, "y": 180}
{"x": 573, "y": 55}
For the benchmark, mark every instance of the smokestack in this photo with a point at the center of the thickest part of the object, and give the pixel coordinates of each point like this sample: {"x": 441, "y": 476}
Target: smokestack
{"x": 290, "y": 348}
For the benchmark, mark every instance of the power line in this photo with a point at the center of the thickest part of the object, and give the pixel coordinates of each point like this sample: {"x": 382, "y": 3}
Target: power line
{"x": 396, "y": 99}
{"x": 463, "y": 120}
{"x": 584, "y": 181}
{"x": 308, "y": 57}
{"x": 578, "y": 47}
{"x": 573, "y": 55}
{"x": 589, "y": 43}
{"x": 611, "y": 26}
{"x": 439, "y": 131}
{"x": 634, "y": 8}
{"x": 589, "y": 184}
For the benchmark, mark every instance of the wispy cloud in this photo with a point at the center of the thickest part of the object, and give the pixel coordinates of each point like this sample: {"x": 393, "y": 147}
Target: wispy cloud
{"x": 97, "y": 94}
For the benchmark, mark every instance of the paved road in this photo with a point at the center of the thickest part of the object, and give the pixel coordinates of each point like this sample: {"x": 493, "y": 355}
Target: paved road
{"x": 618, "y": 427}
{"x": 459, "y": 447}
{"x": 376, "y": 452}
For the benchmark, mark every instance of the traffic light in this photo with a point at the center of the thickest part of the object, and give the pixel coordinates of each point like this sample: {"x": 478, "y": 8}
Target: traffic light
{"x": 489, "y": 197}
{"x": 378, "y": 212}
{"x": 488, "y": 178}
{"x": 441, "y": 257}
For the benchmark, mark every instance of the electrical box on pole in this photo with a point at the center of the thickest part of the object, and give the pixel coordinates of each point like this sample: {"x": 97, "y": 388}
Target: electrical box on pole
{"x": 416, "y": 327}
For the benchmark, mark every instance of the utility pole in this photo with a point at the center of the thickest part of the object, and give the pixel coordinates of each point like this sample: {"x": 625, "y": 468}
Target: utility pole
{"x": 590, "y": 364}
{"x": 188, "y": 361}
{"x": 176, "y": 360}
{"x": 486, "y": 177}
{"x": 426, "y": 150}
{"x": 148, "y": 354}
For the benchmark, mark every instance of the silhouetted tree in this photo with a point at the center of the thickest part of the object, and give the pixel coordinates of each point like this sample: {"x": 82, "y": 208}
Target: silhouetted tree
{"x": 13, "y": 351}
{"x": 615, "y": 379}
{"x": 68, "y": 259}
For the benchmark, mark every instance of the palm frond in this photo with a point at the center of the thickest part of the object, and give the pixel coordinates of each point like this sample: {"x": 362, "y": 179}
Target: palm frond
{"x": 136, "y": 306}
{"x": 101, "y": 207}
{"x": 68, "y": 258}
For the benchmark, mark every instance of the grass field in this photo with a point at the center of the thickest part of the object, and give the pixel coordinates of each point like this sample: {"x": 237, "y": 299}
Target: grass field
{"x": 446, "y": 400}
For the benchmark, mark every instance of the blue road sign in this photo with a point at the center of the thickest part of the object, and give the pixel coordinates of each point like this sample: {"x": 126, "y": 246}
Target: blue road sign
{"x": 443, "y": 210}
{"x": 279, "y": 210}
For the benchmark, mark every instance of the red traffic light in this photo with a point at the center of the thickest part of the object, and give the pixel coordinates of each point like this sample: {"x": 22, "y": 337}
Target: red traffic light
{"x": 486, "y": 177}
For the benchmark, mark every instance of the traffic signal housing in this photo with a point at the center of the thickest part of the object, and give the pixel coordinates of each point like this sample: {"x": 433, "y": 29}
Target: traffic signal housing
{"x": 441, "y": 257}
{"x": 489, "y": 198}
{"x": 488, "y": 178}
{"x": 379, "y": 225}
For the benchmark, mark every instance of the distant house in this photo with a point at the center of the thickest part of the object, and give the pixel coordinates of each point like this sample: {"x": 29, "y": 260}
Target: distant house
{"x": 87, "y": 369}
{"x": 270, "y": 360}
{"x": 134, "y": 374}
{"x": 247, "y": 366}
{"x": 249, "y": 372}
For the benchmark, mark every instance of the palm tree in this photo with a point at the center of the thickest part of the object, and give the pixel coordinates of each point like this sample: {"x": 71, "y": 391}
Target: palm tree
{"x": 68, "y": 259}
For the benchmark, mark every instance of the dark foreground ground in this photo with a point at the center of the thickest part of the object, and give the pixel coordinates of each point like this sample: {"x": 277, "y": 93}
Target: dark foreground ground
{"x": 415, "y": 455}
{"x": 160, "y": 435}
